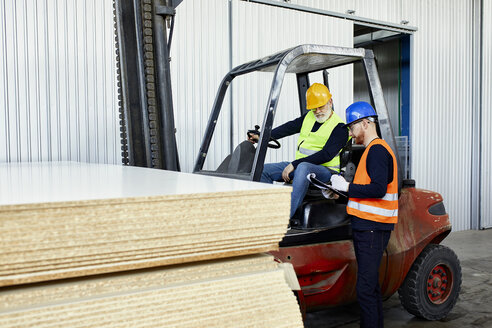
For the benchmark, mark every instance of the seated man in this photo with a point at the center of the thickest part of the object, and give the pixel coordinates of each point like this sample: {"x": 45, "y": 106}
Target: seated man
{"x": 322, "y": 136}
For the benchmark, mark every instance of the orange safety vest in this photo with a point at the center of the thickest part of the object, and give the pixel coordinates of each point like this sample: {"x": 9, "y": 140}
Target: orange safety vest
{"x": 384, "y": 209}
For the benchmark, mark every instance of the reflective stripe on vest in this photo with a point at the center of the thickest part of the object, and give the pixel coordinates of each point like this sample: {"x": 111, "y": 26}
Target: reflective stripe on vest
{"x": 313, "y": 142}
{"x": 306, "y": 151}
{"x": 383, "y": 209}
{"x": 372, "y": 209}
{"x": 390, "y": 197}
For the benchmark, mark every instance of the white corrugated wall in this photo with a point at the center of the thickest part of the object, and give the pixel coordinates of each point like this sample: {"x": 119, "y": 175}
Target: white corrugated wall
{"x": 58, "y": 99}
{"x": 200, "y": 59}
{"x": 441, "y": 102}
{"x": 486, "y": 190}
{"x": 57, "y": 85}
{"x": 259, "y": 31}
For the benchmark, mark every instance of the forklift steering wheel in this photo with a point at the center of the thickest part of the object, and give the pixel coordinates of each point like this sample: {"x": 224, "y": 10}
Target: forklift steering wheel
{"x": 273, "y": 143}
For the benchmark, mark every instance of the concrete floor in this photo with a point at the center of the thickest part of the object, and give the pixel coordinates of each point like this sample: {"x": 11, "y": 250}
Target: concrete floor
{"x": 474, "y": 306}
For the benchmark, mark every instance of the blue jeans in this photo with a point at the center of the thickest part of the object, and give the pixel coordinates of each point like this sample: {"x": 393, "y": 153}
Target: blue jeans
{"x": 273, "y": 172}
{"x": 369, "y": 247}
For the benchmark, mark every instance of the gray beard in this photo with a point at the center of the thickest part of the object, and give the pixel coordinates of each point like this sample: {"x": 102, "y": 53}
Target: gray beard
{"x": 323, "y": 118}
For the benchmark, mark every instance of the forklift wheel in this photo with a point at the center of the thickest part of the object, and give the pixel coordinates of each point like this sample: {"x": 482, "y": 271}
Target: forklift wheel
{"x": 432, "y": 285}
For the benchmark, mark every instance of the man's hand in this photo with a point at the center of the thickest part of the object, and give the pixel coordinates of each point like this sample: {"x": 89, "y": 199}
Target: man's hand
{"x": 339, "y": 183}
{"x": 285, "y": 173}
{"x": 329, "y": 194}
{"x": 253, "y": 138}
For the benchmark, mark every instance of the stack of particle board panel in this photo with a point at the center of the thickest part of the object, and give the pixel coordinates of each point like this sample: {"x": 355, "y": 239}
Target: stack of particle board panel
{"x": 241, "y": 292}
{"x": 142, "y": 247}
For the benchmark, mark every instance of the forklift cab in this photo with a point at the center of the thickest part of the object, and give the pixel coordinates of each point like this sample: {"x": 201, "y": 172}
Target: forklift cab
{"x": 318, "y": 217}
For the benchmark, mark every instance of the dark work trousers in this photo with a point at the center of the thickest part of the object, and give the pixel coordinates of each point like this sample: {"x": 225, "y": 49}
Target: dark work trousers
{"x": 369, "y": 247}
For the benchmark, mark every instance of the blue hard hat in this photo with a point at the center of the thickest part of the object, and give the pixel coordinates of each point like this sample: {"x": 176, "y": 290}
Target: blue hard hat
{"x": 359, "y": 110}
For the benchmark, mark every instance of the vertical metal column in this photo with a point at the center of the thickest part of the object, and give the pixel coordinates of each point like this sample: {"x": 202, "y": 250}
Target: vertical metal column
{"x": 148, "y": 130}
{"x": 476, "y": 145}
{"x": 231, "y": 106}
{"x": 134, "y": 117}
{"x": 326, "y": 81}
{"x": 302, "y": 86}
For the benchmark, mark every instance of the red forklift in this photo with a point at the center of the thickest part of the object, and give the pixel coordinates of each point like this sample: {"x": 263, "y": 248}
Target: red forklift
{"x": 426, "y": 275}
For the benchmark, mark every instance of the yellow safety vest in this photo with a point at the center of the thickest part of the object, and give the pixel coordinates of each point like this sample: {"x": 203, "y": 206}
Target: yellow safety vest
{"x": 312, "y": 142}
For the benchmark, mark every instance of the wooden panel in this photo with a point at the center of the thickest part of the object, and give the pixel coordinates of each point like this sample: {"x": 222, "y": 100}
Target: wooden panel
{"x": 60, "y": 220}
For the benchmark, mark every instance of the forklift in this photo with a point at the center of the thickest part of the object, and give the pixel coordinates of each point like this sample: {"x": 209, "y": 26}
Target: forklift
{"x": 426, "y": 275}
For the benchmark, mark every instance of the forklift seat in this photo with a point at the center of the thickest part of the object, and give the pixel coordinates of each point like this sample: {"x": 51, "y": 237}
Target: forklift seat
{"x": 240, "y": 161}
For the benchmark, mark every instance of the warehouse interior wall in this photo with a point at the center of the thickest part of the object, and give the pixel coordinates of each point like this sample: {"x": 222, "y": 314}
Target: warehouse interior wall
{"x": 205, "y": 49}
{"x": 260, "y": 30}
{"x": 441, "y": 73}
{"x": 486, "y": 119}
{"x": 441, "y": 126}
{"x": 199, "y": 61}
{"x": 440, "y": 93}
{"x": 58, "y": 95}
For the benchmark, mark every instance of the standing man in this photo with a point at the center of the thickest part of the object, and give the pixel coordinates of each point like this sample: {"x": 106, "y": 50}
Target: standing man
{"x": 322, "y": 136}
{"x": 372, "y": 207}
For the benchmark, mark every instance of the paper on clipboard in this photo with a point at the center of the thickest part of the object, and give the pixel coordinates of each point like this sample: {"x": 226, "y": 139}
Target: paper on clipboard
{"x": 323, "y": 186}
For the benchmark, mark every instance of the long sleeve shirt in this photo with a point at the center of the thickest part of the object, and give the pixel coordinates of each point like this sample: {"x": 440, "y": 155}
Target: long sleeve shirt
{"x": 379, "y": 165}
{"x": 335, "y": 142}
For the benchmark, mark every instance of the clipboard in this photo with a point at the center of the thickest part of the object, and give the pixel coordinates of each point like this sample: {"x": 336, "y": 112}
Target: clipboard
{"x": 323, "y": 186}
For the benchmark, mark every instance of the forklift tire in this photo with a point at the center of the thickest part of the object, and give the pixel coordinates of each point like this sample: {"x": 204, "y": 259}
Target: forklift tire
{"x": 431, "y": 287}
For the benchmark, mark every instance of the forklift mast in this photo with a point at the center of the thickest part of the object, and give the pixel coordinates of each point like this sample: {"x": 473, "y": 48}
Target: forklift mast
{"x": 144, "y": 82}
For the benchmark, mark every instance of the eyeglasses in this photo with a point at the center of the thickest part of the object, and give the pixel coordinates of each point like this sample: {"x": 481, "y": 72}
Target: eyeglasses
{"x": 351, "y": 126}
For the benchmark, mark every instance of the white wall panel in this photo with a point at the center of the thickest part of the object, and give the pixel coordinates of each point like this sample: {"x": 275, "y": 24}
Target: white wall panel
{"x": 58, "y": 99}
{"x": 259, "y": 31}
{"x": 441, "y": 92}
{"x": 486, "y": 192}
{"x": 200, "y": 53}
{"x": 384, "y": 10}
{"x": 200, "y": 59}
{"x": 441, "y": 75}
{"x": 441, "y": 102}
{"x": 57, "y": 91}
{"x": 340, "y": 6}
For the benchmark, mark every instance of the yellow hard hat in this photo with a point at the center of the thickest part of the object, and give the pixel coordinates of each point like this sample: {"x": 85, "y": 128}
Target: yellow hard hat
{"x": 317, "y": 95}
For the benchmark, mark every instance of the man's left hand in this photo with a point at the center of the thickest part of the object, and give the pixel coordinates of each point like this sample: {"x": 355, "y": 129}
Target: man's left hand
{"x": 285, "y": 173}
{"x": 329, "y": 194}
{"x": 339, "y": 183}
